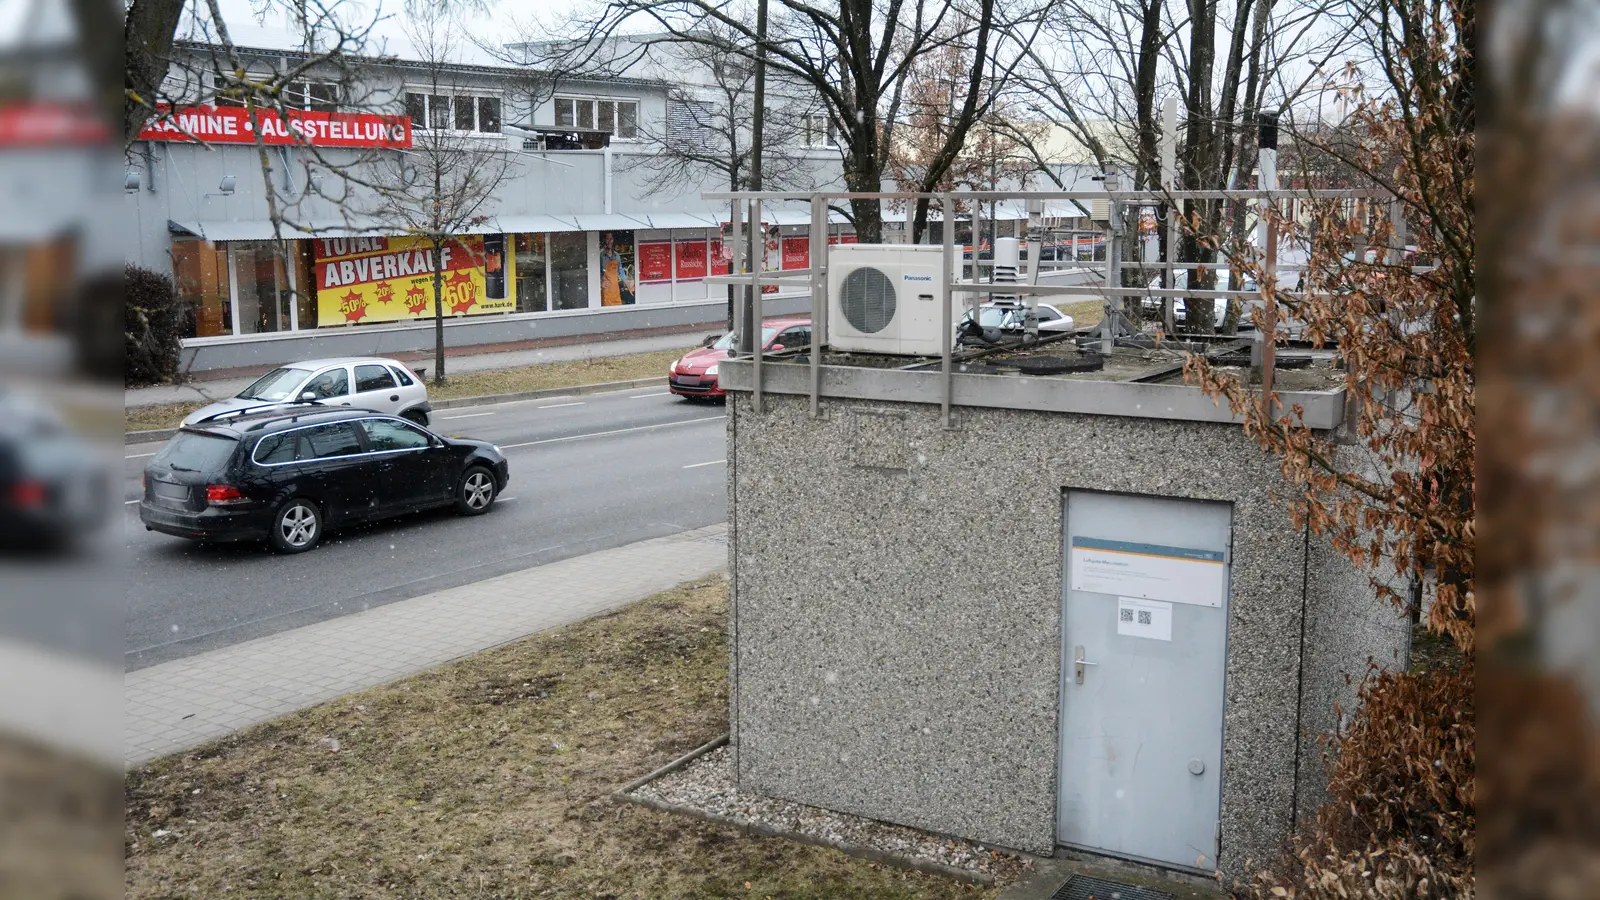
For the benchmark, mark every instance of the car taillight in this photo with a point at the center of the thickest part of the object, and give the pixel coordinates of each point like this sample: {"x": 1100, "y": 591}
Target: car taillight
{"x": 30, "y": 494}
{"x": 223, "y": 494}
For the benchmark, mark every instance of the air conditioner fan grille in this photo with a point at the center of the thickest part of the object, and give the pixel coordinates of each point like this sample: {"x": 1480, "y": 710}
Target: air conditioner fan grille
{"x": 867, "y": 297}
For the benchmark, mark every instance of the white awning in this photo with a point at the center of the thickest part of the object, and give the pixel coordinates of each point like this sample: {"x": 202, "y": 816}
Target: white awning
{"x": 665, "y": 220}
{"x": 609, "y": 222}
{"x": 261, "y": 230}
{"x": 521, "y": 224}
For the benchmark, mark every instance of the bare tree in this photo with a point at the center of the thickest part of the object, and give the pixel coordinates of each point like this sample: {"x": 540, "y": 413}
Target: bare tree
{"x": 854, "y": 57}
{"x": 445, "y": 184}
{"x": 709, "y": 128}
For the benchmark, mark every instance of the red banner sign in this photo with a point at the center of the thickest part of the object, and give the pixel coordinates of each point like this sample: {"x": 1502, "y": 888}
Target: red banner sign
{"x": 721, "y": 257}
{"x": 50, "y": 125}
{"x": 691, "y": 259}
{"x": 233, "y": 125}
{"x": 841, "y": 239}
{"x": 796, "y": 252}
{"x": 655, "y": 261}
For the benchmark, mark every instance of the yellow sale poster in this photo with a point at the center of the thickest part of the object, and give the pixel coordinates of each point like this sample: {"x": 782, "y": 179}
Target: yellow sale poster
{"x": 390, "y": 279}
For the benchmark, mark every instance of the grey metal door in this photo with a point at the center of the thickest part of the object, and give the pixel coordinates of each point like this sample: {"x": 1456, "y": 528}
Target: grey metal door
{"x": 1144, "y": 628}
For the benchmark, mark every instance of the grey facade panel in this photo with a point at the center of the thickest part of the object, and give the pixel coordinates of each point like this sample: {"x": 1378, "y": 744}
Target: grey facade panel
{"x": 896, "y": 609}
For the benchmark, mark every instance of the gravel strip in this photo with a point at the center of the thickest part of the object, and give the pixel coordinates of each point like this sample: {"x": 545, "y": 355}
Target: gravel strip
{"x": 706, "y": 785}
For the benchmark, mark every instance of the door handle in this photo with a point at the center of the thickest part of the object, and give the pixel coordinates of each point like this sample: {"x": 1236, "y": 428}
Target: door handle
{"x": 394, "y": 398}
{"x": 1078, "y": 662}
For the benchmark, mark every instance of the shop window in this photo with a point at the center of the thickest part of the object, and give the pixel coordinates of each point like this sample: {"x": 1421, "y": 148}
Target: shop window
{"x": 569, "y": 270}
{"x": 200, "y": 271}
{"x": 494, "y": 266}
{"x": 532, "y": 274}
{"x": 303, "y": 262}
{"x": 619, "y": 118}
{"x": 262, "y": 287}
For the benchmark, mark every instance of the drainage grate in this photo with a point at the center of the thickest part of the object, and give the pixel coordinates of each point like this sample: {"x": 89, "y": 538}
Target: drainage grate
{"x": 1083, "y": 887}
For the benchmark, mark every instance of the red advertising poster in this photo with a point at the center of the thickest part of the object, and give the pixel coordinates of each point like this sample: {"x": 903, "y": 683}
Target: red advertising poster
{"x": 233, "y": 125}
{"x": 721, "y": 257}
{"x": 841, "y": 239}
{"x": 796, "y": 252}
{"x": 691, "y": 260}
{"x": 655, "y": 262}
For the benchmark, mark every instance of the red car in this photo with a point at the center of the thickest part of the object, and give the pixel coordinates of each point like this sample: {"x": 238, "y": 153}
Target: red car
{"x": 694, "y": 375}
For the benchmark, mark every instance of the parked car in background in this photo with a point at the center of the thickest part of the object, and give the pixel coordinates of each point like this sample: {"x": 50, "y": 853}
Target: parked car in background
{"x": 693, "y": 376}
{"x": 381, "y": 385}
{"x": 54, "y": 485}
{"x": 290, "y": 475}
{"x": 1008, "y": 318}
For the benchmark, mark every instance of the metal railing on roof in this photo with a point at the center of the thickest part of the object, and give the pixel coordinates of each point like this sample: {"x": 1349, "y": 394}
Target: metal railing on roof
{"x": 1262, "y": 353}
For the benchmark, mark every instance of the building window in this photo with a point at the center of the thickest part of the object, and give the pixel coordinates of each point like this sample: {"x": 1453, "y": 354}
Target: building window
{"x": 454, "y": 112}
{"x": 616, "y": 117}
{"x": 817, "y": 130}
{"x": 318, "y": 96}
{"x": 569, "y": 270}
{"x": 532, "y": 275}
{"x": 200, "y": 269}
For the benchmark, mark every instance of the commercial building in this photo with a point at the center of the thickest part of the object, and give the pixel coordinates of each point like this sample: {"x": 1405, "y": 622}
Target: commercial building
{"x": 581, "y": 235}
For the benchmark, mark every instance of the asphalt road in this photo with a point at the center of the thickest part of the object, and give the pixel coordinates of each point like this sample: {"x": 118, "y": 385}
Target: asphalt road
{"x": 587, "y": 473}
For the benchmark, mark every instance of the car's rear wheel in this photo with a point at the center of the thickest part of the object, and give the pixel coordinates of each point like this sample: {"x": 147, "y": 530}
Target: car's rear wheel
{"x": 296, "y": 527}
{"x": 476, "y": 492}
{"x": 417, "y": 416}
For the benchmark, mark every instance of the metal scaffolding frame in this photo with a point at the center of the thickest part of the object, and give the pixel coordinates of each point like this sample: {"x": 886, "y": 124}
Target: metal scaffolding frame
{"x": 815, "y": 275}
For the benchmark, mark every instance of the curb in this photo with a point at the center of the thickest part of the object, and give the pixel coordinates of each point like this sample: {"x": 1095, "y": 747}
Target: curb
{"x": 161, "y": 434}
{"x": 624, "y": 794}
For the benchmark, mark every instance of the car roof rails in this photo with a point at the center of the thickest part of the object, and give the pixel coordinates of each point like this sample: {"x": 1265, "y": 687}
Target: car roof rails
{"x": 236, "y": 413}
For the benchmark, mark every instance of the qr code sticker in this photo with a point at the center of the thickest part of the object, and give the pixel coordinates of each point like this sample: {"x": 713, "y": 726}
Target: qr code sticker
{"x": 1127, "y": 614}
{"x": 1144, "y": 617}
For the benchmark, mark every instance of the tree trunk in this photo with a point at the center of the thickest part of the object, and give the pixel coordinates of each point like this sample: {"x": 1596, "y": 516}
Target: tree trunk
{"x": 1198, "y": 162}
{"x": 147, "y": 42}
{"x": 1148, "y": 170}
{"x": 438, "y": 313}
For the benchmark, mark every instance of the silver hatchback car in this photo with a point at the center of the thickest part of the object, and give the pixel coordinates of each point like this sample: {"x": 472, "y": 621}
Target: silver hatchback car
{"x": 382, "y": 385}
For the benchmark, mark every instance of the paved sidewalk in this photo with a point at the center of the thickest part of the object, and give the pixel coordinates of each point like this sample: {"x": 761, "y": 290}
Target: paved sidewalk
{"x": 187, "y": 702}
{"x": 454, "y": 365}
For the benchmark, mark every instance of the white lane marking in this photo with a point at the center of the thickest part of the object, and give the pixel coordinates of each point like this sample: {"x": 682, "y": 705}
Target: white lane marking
{"x": 579, "y": 437}
{"x": 129, "y": 502}
{"x": 467, "y": 416}
{"x": 559, "y": 405}
{"x": 140, "y": 455}
{"x": 714, "y": 462}
{"x": 504, "y": 499}
{"x": 655, "y": 394}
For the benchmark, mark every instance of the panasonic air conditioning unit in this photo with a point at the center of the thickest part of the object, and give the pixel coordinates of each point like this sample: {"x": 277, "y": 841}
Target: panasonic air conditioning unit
{"x": 885, "y": 298}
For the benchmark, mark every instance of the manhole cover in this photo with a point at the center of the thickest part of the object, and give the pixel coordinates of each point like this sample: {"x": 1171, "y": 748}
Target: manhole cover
{"x": 1084, "y": 887}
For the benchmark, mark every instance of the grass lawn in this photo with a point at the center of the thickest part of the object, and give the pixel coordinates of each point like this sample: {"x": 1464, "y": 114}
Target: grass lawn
{"x": 536, "y": 377}
{"x": 486, "y": 778}
{"x": 1084, "y": 312}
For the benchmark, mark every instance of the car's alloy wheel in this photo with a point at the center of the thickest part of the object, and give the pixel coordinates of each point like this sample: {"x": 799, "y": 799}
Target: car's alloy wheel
{"x": 297, "y": 527}
{"x": 476, "y": 492}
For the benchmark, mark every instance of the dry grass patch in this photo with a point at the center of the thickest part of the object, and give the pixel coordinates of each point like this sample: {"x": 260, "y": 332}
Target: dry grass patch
{"x": 486, "y": 778}
{"x": 535, "y": 377}
{"x": 1084, "y": 312}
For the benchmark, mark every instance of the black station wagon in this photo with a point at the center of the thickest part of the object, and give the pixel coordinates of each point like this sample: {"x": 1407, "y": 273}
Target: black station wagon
{"x": 289, "y": 475}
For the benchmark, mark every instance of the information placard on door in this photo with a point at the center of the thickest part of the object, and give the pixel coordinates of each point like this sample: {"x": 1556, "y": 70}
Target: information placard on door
{"x": 1144, "y": 618}
{"x": 1148, "y": 571}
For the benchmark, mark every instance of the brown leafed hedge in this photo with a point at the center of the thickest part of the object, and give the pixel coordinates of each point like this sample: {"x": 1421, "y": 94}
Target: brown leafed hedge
{"x": 1401, "y": 817}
